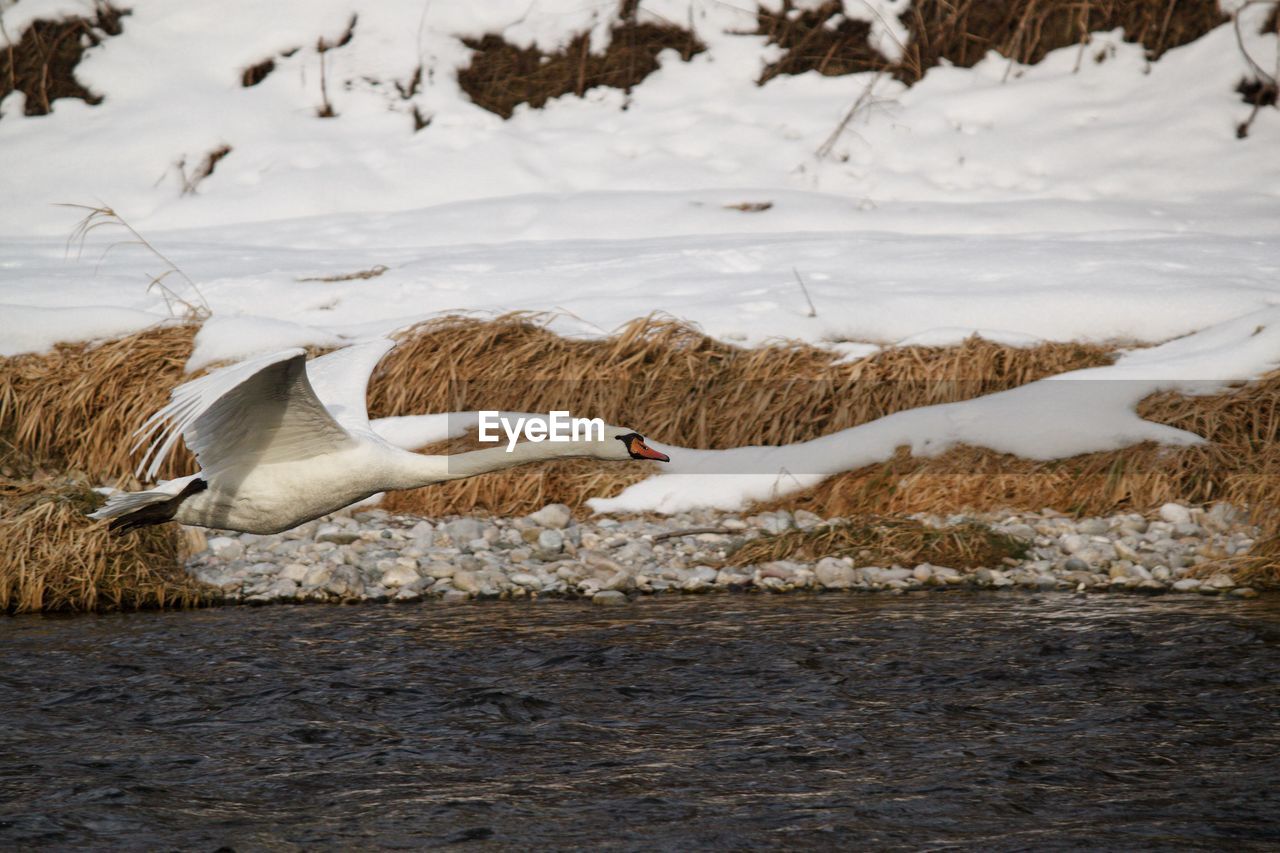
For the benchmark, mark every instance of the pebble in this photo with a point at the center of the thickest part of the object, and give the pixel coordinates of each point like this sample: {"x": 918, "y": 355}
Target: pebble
{"x": 834, "y": 573}
{"x": 379, "y": 556}
{"x": 551, "y": 541}
{"x": 398, "y": 576}
{"x": 556, "y": 516}
{"x": 1175, "y": 514}
{"x": 225, "y": 548}
{"x": 608, "y": 598}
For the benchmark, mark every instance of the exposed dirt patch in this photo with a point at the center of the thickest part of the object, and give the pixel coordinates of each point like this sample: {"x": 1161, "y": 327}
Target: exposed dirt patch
{"x": 42, "y": 62}
{"x": 502, "y": 75}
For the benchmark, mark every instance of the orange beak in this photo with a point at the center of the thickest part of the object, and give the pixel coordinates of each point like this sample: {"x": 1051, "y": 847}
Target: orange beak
{"x": 639, "y": 448}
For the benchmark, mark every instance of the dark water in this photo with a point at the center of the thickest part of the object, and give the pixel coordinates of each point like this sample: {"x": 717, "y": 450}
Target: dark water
{"x": 731, "y": 722}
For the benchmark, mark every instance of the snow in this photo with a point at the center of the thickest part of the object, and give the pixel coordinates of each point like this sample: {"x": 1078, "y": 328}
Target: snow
{"x": 1094, "y": 196}
{"x": 26, "y": 328}
{"x": 1083, "y": 411}
{"x": 233, "y": 337}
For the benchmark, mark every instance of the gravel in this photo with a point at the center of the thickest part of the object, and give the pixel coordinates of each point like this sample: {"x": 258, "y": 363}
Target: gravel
{"x": 372, "y": 555}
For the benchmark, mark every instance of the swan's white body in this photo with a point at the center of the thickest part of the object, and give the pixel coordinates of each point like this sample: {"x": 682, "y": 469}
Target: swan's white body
{"x": 281, "y": 441}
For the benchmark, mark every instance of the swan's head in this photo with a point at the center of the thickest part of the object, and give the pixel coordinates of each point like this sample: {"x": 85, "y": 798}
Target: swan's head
{"x": 623, "y": 443}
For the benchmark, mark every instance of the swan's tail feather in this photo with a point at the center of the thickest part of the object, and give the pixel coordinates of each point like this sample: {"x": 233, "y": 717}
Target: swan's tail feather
{"x": 131, "y": 510}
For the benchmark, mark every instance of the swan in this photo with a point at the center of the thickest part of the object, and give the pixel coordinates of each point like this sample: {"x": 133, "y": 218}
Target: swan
{"x": 281, "y": 441}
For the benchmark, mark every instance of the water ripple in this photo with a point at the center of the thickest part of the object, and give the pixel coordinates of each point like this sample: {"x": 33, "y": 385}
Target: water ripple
{"x": 1001, "y": 722}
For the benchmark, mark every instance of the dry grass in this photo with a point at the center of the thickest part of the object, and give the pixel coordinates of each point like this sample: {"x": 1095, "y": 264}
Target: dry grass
{"x": 811, "y": 44}
{"x": 78, "y": 406}
{"x": 502, "y": 75}
{"x": 961, "y": 32}
{"x": 359, "y": 275}
{"x": 1260, "y": 567}
{"x": 671, "y": 382}
{"x": 191, "y": 180}
{"x": 1240, "y": 465}
{"x": 879, "y": 541}
{"x": 42, "y": 62}
{"x": 56, "y": 559}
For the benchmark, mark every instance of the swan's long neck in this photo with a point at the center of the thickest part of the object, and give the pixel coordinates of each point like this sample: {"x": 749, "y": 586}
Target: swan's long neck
{"x": 415, "y": 470}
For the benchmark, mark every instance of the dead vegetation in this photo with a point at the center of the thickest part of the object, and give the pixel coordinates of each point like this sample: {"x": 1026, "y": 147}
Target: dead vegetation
{"x": 56, "y": 559}
{"x": 42, "y": 62}
{"x": 881, "y": 541}
{"x": 359, "y": 275}
{"x": 818, "y": 39}
{"x": 1260, "y": 89}
{"x": 191, "y": 180}
{"x": 1239, "y": 464}
{"x": 502, "y": 75}
{"x": 679, "y": 385}
{"x": 77, "y": 406}
{"x": 99, "y": 217}
{"x": 961, "y": 32}
{"x": 323, "y": 46}
{"x": 256, "y": 73}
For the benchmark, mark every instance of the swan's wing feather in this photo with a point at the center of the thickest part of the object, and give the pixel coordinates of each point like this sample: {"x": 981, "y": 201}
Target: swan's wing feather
{"x": 258, "y": 411}
{"x": 188, "y": 402}
{"x": 341, "y": 381}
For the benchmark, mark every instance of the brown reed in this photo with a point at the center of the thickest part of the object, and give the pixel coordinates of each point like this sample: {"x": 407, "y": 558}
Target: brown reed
{"x": 77, "y": 406}
{"x": 56, "y": 559}
{"x": 884, "y": 541}
{"x": 962, "y": 32}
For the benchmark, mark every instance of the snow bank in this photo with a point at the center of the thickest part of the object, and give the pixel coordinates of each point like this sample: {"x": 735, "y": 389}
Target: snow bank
{"x": 1118, "y": 129}
{"x": 25, "y": 328}
{"x": 1083, "y": 411}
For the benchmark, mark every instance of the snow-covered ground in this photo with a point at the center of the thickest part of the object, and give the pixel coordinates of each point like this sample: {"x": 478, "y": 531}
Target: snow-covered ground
{"x": 1093, "y": 196}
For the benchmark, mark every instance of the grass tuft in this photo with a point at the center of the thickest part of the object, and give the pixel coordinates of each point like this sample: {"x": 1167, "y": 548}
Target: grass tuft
{"x": 882, "y": 541}
{"x": 56, "y": 559}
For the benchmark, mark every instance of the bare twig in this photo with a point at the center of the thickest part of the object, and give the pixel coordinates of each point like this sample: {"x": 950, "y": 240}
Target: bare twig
{"x": 812, "y": 311}
{"x": 866, "y": 99}
{"x": 692, "y": 531}
{"x": 1235, "y": 23}
{"x": 1267, "y": 83}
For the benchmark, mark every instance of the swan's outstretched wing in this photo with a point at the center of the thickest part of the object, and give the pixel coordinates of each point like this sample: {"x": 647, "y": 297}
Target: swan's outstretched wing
{"x": 258, "y": 411}
{"x": 341, "y": 381}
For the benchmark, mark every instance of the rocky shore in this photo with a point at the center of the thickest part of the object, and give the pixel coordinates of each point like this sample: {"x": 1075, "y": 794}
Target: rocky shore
{"x": 372, "y": 555}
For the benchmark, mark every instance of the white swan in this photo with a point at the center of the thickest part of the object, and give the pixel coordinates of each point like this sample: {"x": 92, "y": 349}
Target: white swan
{"x": 281, "y": 441}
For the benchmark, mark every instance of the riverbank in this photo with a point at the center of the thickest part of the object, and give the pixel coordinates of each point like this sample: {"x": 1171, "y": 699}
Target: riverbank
{"x": 64, "y": 413}
{"x": 378, "y": 556}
